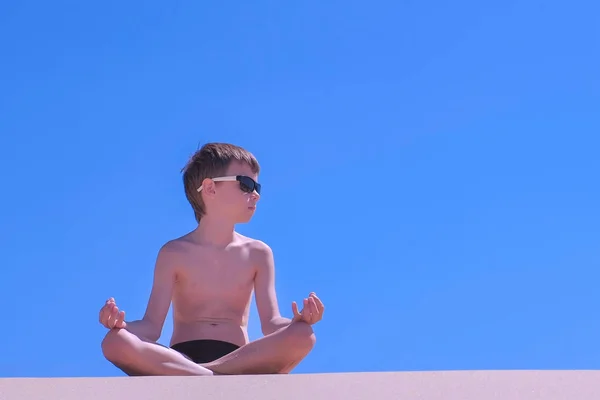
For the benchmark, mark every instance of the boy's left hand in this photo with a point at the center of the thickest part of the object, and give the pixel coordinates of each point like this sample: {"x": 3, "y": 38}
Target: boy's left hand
{"x": 312, "y": 311}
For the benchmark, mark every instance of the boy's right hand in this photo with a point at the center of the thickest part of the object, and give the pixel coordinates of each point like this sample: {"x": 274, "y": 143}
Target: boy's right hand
{"x": 111, "y": 317}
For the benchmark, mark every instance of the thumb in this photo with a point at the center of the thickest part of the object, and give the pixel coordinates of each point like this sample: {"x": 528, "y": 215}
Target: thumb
{"x": 295, "y": 309}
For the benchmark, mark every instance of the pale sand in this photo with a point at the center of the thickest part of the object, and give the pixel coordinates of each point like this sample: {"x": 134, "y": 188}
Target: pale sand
{"x": 459, "y": 385}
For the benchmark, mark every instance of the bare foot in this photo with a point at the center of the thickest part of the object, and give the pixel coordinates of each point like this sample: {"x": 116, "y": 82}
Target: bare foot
{"x": 276, "y": 353}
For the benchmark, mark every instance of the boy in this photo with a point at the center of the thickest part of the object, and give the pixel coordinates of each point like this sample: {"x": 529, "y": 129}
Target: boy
{"x": 209, "y": 275}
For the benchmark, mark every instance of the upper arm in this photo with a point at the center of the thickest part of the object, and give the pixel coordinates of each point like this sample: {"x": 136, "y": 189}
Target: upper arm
{"x": 264, "y": 284}
{"x": 162, "y": 288}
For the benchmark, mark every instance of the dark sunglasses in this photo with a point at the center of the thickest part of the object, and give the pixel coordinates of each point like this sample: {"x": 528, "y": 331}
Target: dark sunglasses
{"x": 247, "y": 184}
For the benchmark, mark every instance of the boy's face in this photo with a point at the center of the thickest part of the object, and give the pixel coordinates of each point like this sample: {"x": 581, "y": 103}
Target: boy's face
{"x": 231, "y": 200}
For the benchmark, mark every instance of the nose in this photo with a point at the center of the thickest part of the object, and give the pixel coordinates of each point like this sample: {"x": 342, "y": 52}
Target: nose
{"x": 255, "y": 196}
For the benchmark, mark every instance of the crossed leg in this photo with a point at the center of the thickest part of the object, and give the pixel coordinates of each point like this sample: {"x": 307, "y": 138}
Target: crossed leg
{"x": 137, "y": 356}
{"x": 276, "y": 353}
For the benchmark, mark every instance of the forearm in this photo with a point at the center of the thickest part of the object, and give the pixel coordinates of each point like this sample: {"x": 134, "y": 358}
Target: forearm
{"x": 144, "y": 329}
{"x": 275, "y": 324}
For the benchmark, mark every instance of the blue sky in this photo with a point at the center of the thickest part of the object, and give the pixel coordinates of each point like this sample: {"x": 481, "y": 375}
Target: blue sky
{"x": 428, "y": 170}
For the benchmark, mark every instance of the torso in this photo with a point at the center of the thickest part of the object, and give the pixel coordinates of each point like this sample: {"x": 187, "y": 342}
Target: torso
{"x": 212, "y": 291}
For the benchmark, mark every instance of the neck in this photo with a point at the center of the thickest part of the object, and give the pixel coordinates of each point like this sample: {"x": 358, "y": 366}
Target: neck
{"x": 214, "y": 232}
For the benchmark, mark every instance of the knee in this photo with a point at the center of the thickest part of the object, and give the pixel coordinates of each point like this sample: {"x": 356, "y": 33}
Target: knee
{"x": 301, "y": 337}
{"x": 116, "y": 345}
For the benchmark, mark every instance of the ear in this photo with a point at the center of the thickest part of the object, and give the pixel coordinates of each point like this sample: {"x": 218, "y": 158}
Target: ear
{"x": 208, "y": 187}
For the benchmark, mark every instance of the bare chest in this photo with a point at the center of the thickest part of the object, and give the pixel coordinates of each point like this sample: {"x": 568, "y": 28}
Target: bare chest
{"x": 216, "y": 275}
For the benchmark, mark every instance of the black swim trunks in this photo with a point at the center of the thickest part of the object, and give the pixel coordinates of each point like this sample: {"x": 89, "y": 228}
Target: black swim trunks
{"x": 204, "y": 351}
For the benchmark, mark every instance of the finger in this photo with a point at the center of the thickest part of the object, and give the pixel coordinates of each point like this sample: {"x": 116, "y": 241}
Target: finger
{"x": 120, "y": 321}
{"x": 108, "y": 310}
{"x": 115, "y": 316}
{"x": 309, "y": 317}
{"x": 112, "y": 319}
{"x": 313, "y": 307}
{"x": 318, "y": 301}
{"x": 104, "y": 314}
{"x": 295, "y": 309}
{"x": 108, "y": 307}
{"x": 108, "y": 318}
{"x": 306, "y": 312}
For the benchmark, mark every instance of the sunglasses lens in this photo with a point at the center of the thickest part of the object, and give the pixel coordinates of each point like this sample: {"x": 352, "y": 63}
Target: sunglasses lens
{"x": 244, "y": 186}
{"x": 248, "y": 185}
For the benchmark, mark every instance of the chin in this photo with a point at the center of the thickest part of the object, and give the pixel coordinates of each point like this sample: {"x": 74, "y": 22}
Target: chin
{"x": 246, "y": 217}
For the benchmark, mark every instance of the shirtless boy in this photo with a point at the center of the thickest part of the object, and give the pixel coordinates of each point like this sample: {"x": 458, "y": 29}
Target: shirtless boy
{"x": 209, "y": 274}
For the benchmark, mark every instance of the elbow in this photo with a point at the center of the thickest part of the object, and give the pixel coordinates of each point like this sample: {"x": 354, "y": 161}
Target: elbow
{"x": 267, "y": 328}
{"x": 154, "y": 332}
{"x": 145, "y": 330}
{"x": 153, "y": 337}
{"x": 268, "y": 331}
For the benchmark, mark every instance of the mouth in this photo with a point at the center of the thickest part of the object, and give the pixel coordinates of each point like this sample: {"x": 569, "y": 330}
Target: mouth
{"x": 252, "y": 208}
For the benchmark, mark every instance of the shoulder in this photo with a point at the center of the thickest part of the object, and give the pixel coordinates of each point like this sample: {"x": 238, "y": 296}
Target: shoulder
{"x": 173, "y": 246}
{"x": 171, "y": 251}
{"x": 259, "y": 252}
{"x": 261, "y": 247}
{"x": 258, "y": 247}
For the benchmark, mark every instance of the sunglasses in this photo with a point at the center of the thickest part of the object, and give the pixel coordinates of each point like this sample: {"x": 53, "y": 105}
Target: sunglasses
{"x": 247, "y": 184}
